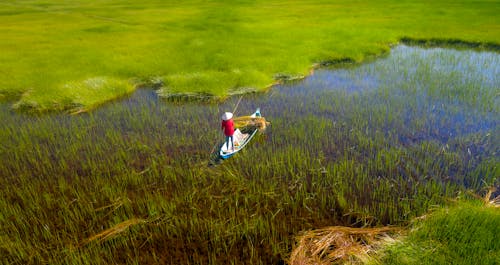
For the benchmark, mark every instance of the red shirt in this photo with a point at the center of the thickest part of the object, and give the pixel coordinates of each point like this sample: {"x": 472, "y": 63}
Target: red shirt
{"x": 228, "y": 127}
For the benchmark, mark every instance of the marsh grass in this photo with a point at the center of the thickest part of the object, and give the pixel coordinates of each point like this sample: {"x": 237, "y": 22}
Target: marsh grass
{"x": 461, "y": 233}
{"x": 366, "y": 146}
{"x": 75, "y": 97}
{"x": 465, "y": 233}
{"x": 451, "y": 43}
{"x": 207, "y": 47}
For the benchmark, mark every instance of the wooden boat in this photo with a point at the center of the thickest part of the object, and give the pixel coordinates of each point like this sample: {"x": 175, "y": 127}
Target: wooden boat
{"x": 240, "y": 139}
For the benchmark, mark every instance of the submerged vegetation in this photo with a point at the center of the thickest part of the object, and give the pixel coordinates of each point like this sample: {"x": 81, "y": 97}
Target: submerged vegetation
{"x": 371, "y": 145}
{"x": 211, "y": 48}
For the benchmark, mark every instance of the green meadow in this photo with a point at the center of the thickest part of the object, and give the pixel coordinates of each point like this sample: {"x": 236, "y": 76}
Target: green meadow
{"x": 75, "y": 55}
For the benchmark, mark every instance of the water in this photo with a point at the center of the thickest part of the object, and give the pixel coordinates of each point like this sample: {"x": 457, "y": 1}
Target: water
{"x": 368, "y": 145}
{"x": 454, "y": 93}
{"x": 414, "y": 96}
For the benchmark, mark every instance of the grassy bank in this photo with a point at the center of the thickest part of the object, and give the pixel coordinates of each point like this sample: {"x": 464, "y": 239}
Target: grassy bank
{"x": 466, "y": 233}
{"x": 50, "y": 48}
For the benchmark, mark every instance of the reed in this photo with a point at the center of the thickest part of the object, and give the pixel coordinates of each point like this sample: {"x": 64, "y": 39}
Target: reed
{"x": 372, "y": 145}
{"x": 461, "y": 234}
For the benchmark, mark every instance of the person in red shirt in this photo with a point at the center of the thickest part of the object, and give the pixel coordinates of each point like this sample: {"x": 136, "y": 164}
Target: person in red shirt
{"x": 228, "y": 127}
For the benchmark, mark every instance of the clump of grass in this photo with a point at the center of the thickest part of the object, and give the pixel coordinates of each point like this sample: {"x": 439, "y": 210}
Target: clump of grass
{"x": 113, "y": 231}
{"x": 337, "y": 245}
{"x": 495, "y": 202}
{"x": 461, "y": 233}
{"x": 466, "y": 233}
{"x": 451, "y": 43}
{"x": 489, "y": 200}
{"x": 75, "y": 96}
{"x": 210, "y": 85}
{"x": 245, "y": 123}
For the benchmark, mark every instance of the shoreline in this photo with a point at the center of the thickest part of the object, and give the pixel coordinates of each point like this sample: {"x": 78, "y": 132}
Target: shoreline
{"x": 204, "y": 97}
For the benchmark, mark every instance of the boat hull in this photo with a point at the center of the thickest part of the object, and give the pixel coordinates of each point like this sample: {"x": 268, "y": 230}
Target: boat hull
{"x": 240, "y": 141}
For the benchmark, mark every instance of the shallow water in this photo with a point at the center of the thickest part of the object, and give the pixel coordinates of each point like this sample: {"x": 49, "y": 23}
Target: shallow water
{"x": 368, "y": 145}
{"x": 454, "y": 93}
{"x": 413, "y": 96}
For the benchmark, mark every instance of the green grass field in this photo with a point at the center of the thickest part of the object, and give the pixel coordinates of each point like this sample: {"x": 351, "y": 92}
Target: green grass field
{"x": 59, "y": 55}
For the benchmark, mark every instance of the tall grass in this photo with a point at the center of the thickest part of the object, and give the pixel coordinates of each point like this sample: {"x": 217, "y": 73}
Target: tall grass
{"x": 75, "y": 96}
{"x": 208, "y": 47}
{"x": 464, "y": 234}
{"x": 129, "y": 182}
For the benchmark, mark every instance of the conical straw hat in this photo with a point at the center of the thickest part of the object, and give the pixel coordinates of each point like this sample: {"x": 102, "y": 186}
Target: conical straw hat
{"x": 227, "y": 116}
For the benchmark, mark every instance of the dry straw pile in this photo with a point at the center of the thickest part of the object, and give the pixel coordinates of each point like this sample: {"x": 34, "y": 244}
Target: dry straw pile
{"x": 337, "y": 245}
{"x": 250, "y": 123}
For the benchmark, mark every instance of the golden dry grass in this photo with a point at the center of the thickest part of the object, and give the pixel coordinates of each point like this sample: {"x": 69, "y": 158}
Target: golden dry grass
{"x": 113, "y": 231}
{"x": 495, "y": 202}
{"x": 337, "y": 245}
{"x": 248, "y": 122}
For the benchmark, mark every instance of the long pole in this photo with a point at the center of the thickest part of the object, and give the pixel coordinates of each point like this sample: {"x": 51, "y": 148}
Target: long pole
{"x": 237, "y": 104}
